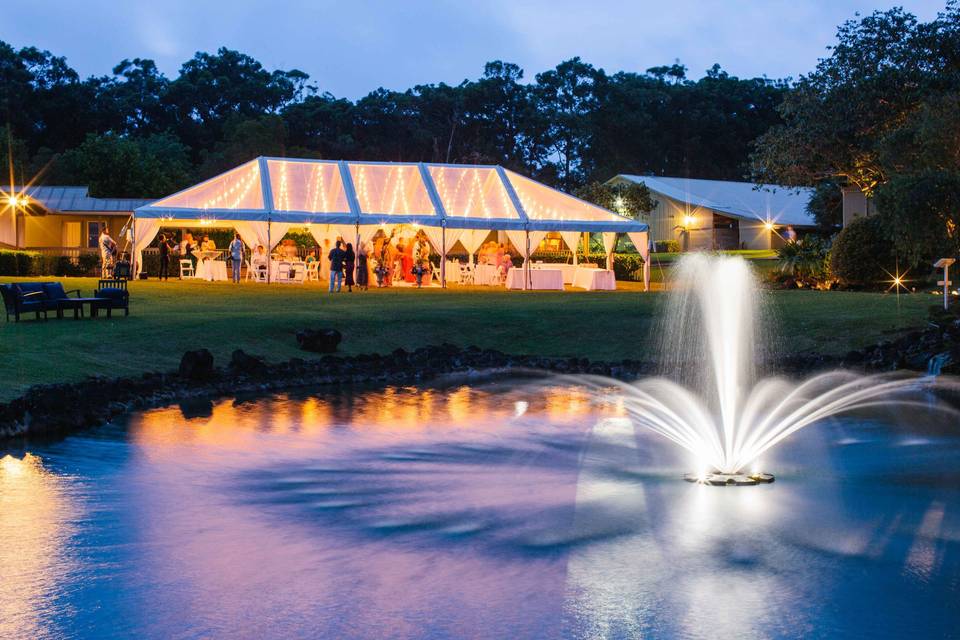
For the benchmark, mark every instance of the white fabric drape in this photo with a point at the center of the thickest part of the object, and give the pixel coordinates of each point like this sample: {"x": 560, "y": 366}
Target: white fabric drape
{"x": 435, "y": 235}
{"x": 471, "y": 239}
{"x": 609, "y": 244}
{"x": 518, "y": 238}
{"x": 572, "y": 240}
{"x": 641, "y": 240}
{"x": 144, "y": 231}
{"x": 536, "y": 237}
{"x": 255, "y": 233}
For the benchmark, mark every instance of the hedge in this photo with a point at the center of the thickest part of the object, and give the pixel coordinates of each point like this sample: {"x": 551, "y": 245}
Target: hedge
{"x": 31, "y": 263}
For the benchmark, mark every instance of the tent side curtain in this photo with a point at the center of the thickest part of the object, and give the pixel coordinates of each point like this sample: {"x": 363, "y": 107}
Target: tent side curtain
{"x": 144, "y": 232}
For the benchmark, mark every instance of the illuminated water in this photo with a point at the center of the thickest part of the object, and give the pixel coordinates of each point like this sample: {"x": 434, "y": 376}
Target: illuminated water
{"x": 713, "y": 401}
{"x": 494, "y": 511}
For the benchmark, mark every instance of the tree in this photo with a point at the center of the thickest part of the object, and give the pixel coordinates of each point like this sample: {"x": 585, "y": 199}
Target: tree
{"x": 826, "y": 205}
{"x": 632, "y": 200}
{"x": 212, "y": 88}
{"x": 882, "y": 113}
{"x": 137, "y": 94}
{"x": 113, "y": 166}
{"x": 565, "y": 98}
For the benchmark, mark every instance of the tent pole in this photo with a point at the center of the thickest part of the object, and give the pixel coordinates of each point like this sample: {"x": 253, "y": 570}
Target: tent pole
{"x": 133, "y": 251}
{"x": 528, "y": 280}
{"x": 269, "y": 251}
{"x": 443, "y": 255}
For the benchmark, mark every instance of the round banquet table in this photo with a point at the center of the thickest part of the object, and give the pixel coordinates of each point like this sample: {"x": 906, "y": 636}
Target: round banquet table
{"x": 595, "y": 279}
{"x": 211, "y": 270}
{"x": 544, "y": 279}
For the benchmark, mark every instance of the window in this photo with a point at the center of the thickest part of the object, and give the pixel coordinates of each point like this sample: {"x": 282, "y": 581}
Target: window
{"x": 93, "y": 235}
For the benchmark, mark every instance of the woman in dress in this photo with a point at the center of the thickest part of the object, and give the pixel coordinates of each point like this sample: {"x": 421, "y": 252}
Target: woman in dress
{"x": 349, "y": 262}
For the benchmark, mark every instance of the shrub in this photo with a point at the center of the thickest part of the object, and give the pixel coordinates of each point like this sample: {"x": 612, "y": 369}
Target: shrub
{"x": 861, "y": 255}
{"x": 805, "y": 260}
{"x": 667, "y": 246}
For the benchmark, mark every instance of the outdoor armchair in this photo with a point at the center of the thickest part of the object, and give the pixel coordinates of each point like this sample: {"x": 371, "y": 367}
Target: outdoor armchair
{"x": 24, "y": 297}
{"x": 111, "y": 295}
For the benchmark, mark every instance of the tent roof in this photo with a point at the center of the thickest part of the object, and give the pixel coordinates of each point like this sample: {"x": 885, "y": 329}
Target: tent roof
{"x": 769, "y": 203}
{"x": 346, "y": 192}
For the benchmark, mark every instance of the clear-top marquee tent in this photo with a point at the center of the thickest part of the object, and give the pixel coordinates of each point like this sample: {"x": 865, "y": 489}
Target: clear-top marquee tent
{"x": 265, "y": 197}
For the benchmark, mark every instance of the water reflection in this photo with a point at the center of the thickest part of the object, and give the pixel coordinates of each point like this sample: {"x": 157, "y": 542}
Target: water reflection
{"x": 36, "y": 521}
{"x": 495, "y": 510}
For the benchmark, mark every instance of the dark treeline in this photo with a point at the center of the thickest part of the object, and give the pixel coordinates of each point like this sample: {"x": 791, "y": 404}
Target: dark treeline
{"x": 137, "y": 132}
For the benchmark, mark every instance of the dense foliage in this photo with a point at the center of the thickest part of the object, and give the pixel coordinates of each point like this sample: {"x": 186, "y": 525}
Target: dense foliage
{"x": 804, "y": 260}
{"x": 138, "y": 132}
{"x": 861, "y": 255}
{"x": 880, "y": 114}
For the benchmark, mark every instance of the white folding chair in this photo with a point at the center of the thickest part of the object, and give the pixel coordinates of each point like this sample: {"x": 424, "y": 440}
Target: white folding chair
{"x": 186, "y": 269}
{"x": 283, "y": 272}
{"x": 298, "y": 272}
{"x": 466, "y": 274}
{"x": 501, "y": 276}
{"x": 313, "y": 271}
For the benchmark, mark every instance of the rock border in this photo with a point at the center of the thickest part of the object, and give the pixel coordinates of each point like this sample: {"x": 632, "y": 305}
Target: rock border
{"x": 59, "y": 409}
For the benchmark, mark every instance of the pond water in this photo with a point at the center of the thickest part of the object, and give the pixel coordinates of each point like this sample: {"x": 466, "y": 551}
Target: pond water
{"x": 497, "y": 510}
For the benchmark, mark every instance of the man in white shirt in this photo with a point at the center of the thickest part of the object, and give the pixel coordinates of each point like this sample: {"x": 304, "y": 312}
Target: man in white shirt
{"x": 108, "y": 252}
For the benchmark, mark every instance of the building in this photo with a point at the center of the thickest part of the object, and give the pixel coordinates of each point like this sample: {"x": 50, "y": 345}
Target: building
{"x": 60, "y": 220}
{"x": 717, "y": 214}
{"x": 856, "y": 204}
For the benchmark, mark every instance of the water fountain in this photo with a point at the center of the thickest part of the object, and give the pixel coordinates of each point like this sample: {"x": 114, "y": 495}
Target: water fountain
{"x": 712, "y": 400}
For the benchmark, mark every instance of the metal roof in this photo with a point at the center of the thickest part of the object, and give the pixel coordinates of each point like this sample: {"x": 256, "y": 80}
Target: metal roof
{"x": 768, "y": 203}
{"x": 71, "y": 199}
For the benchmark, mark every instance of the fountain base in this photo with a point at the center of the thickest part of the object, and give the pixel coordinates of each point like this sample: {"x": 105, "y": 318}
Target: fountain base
{"x": 718, "y": 479}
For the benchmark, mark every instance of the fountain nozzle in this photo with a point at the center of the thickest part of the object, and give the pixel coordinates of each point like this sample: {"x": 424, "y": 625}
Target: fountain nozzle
{"x": 718, "y": 479}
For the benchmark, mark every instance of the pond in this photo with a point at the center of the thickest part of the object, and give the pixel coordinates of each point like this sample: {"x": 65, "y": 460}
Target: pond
{"x": 507, "y": 509}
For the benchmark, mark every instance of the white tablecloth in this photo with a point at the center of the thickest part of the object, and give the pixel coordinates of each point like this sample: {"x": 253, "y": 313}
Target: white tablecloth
{"x": 595, "y": 279}
{"x": 211, "y": 270}
{"x": 484, "y": 274}
{"x": 540, "y": 279}
{"x": 568, "y": 269}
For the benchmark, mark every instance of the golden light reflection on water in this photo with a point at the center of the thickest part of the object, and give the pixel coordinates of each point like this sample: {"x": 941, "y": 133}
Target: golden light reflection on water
{"x": 238, "y": 425}
{"x": 35, "y": 517}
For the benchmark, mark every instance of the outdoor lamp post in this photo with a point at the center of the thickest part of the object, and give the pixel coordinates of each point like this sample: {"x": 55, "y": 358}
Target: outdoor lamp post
{"x": 944, "y": 263}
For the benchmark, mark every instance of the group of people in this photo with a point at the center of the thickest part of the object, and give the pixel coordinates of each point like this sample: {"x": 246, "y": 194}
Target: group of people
{"x": 495, "y": 254}
{"x": 190, "y": 249}
{"x": 406, "y": 259}
{"x": 386, "y": 259}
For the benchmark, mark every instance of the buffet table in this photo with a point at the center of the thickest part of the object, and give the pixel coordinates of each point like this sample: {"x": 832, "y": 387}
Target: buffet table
{"x": 595, "y": 279}
{"x": 569, "y": 270}
{"x": 542, "y": 279}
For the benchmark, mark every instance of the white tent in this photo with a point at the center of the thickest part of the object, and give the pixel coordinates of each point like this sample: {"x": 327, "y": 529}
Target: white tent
{"x": 263, "y": 198}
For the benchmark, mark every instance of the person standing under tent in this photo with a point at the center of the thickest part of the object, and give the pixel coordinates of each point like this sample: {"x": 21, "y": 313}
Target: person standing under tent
{"x": 164, "y": 246}
{"x": 236, "y": 256}
{"x": 363, "y": 275}
{"x": 336, "y": 258}
{"x": 108, "y": 253}
{"x": 349, "y": 260}
{"x": 188, "y": 248}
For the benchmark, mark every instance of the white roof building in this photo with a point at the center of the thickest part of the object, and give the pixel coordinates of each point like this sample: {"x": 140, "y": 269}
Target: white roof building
{"x": 719, "y": 214}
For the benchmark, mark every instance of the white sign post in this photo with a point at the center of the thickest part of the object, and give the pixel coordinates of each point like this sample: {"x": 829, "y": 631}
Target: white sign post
{"x": 944, "y": 263}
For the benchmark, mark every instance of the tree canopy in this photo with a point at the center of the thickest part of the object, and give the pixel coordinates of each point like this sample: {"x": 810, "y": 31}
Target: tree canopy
{"x": 881, "y": 114}
{"x": 568, "y": 126}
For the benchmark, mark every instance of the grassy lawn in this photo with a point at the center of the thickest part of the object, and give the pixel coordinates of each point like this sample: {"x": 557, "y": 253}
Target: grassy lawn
{"x": 168, "y": 318}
